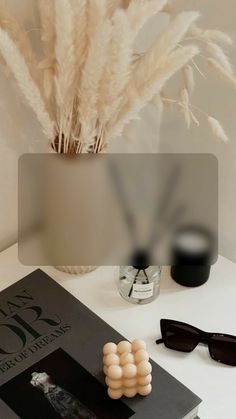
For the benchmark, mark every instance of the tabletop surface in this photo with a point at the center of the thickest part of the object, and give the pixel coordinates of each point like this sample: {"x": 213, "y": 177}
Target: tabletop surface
{"x": 211, "y": 307}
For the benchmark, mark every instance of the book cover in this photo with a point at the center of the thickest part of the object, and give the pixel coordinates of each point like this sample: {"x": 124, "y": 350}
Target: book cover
{"x": 51, "y": 361}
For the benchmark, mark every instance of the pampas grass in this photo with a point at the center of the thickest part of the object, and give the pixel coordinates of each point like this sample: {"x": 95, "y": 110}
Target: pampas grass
{"x": 19, "y": 36}
{"x": 112, "y": 6}
{"x": 218, "y": 37}
{"x": 64, "y": 53}
{"x": 48, "y": 37}
{"x": 65, "y": 70}
{"x": 91, "y": 77}
{"x": 218, "y": 54}
{"x": 138, "y": 98}
{"x": 189, "y": 79}
{"x": 148, "y": 7}
{"x": 80, "y": 34}
{"x": 158, "y": 103}
{"x": 20, "y": 70}
{"x": 48, "y": 33}
{"x": 118, "y": 67}
{"x": 94, "y": 82}
{"x": 217, "y": 129}
{"x": 164, "y": 45}
{"x": 221, "y": 71}
{"x": 184, "y": 96}
{"x": 214, "y": 36}
{"x": 97, "y": 10}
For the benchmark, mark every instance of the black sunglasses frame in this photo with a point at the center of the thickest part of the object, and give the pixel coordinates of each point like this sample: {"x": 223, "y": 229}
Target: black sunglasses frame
{"x": 203, "y": 337}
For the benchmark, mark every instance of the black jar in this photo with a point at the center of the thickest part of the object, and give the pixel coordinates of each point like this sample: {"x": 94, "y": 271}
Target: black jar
{"x": 192, "y": 256}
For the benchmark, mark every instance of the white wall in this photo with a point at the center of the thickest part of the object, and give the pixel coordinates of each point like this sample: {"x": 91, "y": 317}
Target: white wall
{"x": 20, "y": 133}
{"x": 219, "y": 99}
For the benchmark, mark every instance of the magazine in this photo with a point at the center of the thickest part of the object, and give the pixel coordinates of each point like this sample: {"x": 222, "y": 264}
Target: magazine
{"x": 51, "y": 362}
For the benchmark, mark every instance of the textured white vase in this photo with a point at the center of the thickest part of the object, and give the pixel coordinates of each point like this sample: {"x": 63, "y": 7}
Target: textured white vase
{"x": 73, "y": 270}
{"x": 76, "y": 270}
{"x": 141, "y": 136}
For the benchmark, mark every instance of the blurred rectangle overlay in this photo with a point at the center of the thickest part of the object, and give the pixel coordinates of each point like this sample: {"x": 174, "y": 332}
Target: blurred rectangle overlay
{"x": 102, "y": 209}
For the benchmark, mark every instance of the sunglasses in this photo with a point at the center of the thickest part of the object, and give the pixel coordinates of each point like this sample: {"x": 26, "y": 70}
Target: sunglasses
{"x": 184, "y": 337}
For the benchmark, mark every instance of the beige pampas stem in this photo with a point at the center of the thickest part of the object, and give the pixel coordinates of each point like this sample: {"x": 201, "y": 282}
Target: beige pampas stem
{"x": 140, "y": 11}
{"x": 184, "y": 96}
{"x": 158, "y": 103}
{"x": 30, "y": 90}
{"x": 65, "y": 53}
{"x": 118, "y": 68}
{"x": 218, "y": 37}
{"x": 163, "y": 46}
{"x": 97, "y": 11}
{"x": 171, "y": 102}
{"x": 112, "y": 6}
{"x": 212, "y": 35}
{"x": 125, "y": 3}
{"x": 221, "y": 71}
{"x": 48, "y": 36}
{"x": 170, "y": 8}
{"x": 19, "y": 36}
{"x": 90, "y": 81}
{"x": 217, "y": 129}
{"x": 65, "y": 73}
{"x": 195, "y": 32}
{"x": 189, "y": 79}
{"x": 218, "y": 54}
{"x": 137, "y": 99}
{"x": 80, "y": 33}
{"x": 194, "y": 119}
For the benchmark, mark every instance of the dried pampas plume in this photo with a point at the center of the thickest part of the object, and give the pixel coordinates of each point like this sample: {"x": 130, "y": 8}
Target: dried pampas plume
{"x": 149, "y": 8}
{"x": 189, "y": 79}
{"x": 184, "y": 96}
{"x": 80, "y": 34}
{"x": 48, "y": 37}
{"x": 218, "y": 54}
{"x": 117, "y": 71}
{"x": 217, "y": 129}
{"x": 221, "y": 71}
{"x": 48, "y": 33}
{"x": 19, "y": 36}
{"x": 91, "y": 82}
{"x": 218, "y": 37}
{"x": 138, "y": 98}
{"x": 20, "y": 71}
{"x": 112, "y": 6}
{"x": 65, "y": 53}
{"x": 164, "y": 45}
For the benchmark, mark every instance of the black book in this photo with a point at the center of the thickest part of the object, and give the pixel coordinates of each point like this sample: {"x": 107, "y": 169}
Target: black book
{"x": 51, "y": 363}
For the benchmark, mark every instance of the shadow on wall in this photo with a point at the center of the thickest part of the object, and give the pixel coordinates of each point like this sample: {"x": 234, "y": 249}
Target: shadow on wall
{"x": 19, "y": 133}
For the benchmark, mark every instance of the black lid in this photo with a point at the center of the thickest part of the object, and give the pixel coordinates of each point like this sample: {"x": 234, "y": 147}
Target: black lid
{"x": 193, "y": 245}
{"x": 140, "y": 260}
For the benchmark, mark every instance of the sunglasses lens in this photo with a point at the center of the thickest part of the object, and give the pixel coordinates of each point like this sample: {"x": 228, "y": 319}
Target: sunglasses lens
{"x": 223, "y": 349}
{"x": 180, "y": 337}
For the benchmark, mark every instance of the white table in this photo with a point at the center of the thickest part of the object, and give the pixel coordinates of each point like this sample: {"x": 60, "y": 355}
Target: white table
{"x": 211, "y": 307}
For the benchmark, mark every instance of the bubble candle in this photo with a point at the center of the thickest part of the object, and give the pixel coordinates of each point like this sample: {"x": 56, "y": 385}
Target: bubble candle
{"x": 127, "y": 369}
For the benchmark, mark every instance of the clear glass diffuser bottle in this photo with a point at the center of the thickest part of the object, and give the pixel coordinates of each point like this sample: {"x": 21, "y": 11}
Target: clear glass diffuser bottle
{"x": 139, "y": 284}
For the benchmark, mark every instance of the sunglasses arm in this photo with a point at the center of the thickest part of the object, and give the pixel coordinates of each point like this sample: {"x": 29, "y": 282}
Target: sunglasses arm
{"x": 159, "y": 341}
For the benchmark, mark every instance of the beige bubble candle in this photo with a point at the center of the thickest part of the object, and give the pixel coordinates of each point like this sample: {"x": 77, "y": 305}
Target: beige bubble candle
{"x": 127, "y": 369}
